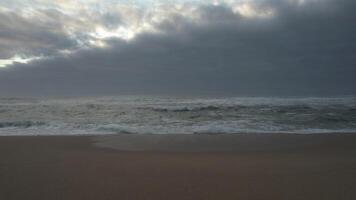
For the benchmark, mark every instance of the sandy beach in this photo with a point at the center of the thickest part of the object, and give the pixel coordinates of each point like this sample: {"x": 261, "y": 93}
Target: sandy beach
{"x": 244, "y": 166}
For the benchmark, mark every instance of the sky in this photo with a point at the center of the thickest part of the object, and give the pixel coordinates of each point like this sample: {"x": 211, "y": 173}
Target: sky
{"x": 186, "y": 47}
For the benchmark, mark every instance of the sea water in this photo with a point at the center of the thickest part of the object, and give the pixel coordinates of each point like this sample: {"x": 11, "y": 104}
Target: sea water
{"x": 175, "y": 115}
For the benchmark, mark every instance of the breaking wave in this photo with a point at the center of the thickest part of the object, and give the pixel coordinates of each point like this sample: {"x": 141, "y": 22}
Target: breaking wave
{"x": 21, "y": 124}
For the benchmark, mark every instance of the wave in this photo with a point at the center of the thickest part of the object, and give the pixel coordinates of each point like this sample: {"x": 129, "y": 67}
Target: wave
{"x": 196, "y": 108}
{"x": 186, "y": 109}
{"x": 21, "y": 124}
{"x": 277, "y": 108}
{"x": 116, "y": 128}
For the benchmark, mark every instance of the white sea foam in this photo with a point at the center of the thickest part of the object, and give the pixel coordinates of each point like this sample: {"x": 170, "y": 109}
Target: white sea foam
{"x": 168, "y": 115}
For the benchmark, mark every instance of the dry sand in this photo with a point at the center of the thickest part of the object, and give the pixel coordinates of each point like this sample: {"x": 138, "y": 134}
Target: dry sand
{"x": 246, "y": 166}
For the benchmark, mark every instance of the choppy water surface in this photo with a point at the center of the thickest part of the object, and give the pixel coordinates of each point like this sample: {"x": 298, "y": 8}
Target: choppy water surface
{"x": 163, "y": 115}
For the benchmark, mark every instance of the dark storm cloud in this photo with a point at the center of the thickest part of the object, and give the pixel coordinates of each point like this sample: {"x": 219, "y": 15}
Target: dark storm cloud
{"x": 41, "y": 35}
{"x": 304, "y": 49}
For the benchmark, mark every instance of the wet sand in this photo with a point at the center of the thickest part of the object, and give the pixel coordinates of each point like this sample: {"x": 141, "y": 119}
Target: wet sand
{"x": 245, "y": 166}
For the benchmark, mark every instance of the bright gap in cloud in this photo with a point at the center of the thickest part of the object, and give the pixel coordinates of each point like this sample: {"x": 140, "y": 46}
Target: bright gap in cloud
{"x": 101, "y": 34}
{"x": 16, "y": 59}
{"x": 249, "y": 10}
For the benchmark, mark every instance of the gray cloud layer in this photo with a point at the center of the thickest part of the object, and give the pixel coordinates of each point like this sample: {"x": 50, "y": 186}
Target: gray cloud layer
{"x": 306, "y": 49}
{"x": 20, "y": 35}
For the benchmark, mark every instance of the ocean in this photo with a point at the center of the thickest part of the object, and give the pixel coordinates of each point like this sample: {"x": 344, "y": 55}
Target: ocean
{"x": 176, "y": 115}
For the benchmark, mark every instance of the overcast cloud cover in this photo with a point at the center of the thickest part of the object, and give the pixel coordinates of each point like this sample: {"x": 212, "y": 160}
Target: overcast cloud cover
{"x": 241, "y": 47}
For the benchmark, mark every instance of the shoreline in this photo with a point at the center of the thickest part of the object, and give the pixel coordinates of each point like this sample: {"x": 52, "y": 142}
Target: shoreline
{"x": 267, "y": 166}
{"x": 204, "y": 142}
{"x": 219, "y": 142}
